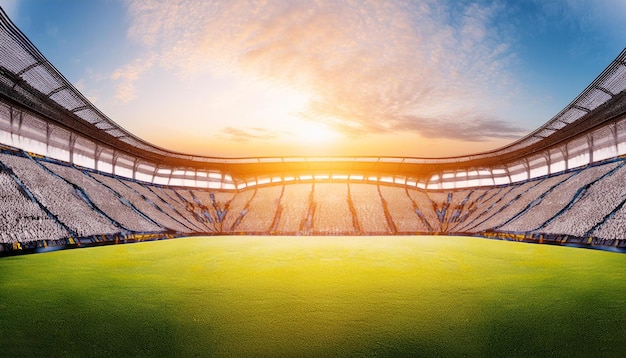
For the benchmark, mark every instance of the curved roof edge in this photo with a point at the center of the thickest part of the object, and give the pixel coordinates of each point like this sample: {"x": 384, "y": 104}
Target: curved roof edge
{"x": 28, "y": 79}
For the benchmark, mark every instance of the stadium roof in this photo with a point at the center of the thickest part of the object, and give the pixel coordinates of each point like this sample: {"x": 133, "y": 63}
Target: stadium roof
{"x": 29, "y": 81}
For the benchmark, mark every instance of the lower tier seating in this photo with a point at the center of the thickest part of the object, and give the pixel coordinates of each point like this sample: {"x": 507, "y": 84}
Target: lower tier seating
{"x": 43, "y": 201}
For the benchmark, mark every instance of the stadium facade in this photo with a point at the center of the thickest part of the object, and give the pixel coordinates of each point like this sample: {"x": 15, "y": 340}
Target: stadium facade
{"x": 529, "y": 190}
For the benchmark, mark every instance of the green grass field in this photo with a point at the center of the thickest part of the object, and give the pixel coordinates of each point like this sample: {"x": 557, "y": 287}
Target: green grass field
{"x": 315, "y": 296}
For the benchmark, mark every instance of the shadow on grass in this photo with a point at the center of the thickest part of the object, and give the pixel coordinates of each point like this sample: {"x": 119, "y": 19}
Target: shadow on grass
{"x": 60, "y": 323}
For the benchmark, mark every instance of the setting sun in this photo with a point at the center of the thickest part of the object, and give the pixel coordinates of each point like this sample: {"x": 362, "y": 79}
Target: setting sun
{"x": 314, "y": 133}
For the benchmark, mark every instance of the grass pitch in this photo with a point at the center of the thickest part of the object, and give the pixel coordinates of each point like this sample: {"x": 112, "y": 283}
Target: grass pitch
{"x": 315, "y": 296}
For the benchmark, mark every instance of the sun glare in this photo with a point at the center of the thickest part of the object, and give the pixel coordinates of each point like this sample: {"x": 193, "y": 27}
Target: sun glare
{"x": 314, "y": 133}
{"x": 285, "y": 107}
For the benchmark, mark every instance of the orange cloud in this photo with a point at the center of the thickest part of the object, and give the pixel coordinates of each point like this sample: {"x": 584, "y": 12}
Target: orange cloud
{"x": 127, "y": 75}
{"x": 370, "y": 66}
{"x": 246, "y": 134}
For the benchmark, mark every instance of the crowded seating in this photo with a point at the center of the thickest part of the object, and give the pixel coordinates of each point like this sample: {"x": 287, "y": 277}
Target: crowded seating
{"x": 501, "y": 202}
{"x": 295, "y": 205}
{"x": 402, "y": 210}
{"x": 480, "y": 206}
{"x": 556, "y": 200}
{"x": 332, "y": 214}
{"x": 46, "y": 200}
{"x": 168, "y": 208}
{"x": 59, "y": 197}
{"x": 22, "y": 220}
{"x": 182, "y": 201}
{"x": 369, "y": 209}
{"x": 425, "y": 206}
{"x": 149, "y": 209}
{"x": 519, "y": 202}
{"x": 262, "y": 210}
{"x": 235, "y": 210}
{"x": 104, "y": 199}
{"x": 599, "y": 201}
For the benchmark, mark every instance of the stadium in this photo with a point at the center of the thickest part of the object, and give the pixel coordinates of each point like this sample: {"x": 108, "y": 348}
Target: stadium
{"x": 71, "y": 177}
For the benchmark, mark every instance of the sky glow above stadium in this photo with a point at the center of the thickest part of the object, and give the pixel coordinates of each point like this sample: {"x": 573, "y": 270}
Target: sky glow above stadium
{"x": 264, "y": 78}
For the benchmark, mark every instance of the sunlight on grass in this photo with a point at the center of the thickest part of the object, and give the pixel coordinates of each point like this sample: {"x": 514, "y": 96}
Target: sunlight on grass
{"x": 315, "y": 296}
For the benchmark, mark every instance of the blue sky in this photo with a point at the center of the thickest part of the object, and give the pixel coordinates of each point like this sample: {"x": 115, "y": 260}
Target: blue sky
{"x": 248, "y": 78}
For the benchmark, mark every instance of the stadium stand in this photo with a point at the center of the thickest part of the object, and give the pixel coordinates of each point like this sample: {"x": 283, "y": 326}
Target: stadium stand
{"x": 57, "y": 201}
{"x": 331, "y": 210}
{"x": 105, "y": 199}
{"x": 518, "y": 203}
{"x": 70, "y": 206}
{"x": 369, "y": 209}
{"x": 181, "y": 205}
{"x": 167, "y": 208}
{"x": 29, "y": 222}
{"x": 294, "y": 209}
{"x": 184, "y": 195}
{"x": 557, "y": 201}
{"x": 497, "y": 202}
{"x": 460, "y": 210}
{"x": 598, "y": 201}
{"x": 479, "y": 206}
{"x": 262, "y": 210}
{"x": 213, "y": 206}
{"x": 70, "y": 176}
{"x": 402, "y": 209}
{"x": 140, "y": 203}
{"x": 425, "y": 210}
{"x": 235, "y": 210}
{"x": 613, "y": 227}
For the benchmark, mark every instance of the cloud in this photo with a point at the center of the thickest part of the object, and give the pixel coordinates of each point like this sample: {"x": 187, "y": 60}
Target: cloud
{"x": 126, "y": 77}
{"x": 473, "y": 127}
{"x": 369, "y": 66}
{"x": 247, "y": 134}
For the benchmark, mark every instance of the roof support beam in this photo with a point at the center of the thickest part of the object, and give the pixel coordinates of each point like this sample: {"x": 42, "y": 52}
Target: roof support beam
{"x": 28, "y": 68}
{"x": 56, "y": 90}
{"x": 600, "y": 88}
{"x": 587, "y": 110}
{"x": 81, "y": 108}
